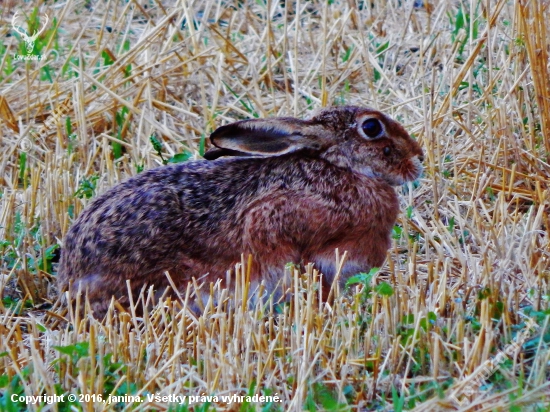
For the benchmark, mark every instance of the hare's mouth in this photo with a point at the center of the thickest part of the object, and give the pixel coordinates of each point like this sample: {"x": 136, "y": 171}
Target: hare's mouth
{"x": 407, "y": 171}
{"x": 369, "y": 172}
{"x": 387, "y": 177}
{"x": 410, "y": 170}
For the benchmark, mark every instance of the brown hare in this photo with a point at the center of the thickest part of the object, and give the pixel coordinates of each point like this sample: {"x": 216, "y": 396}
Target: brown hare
{"x": 281, "y": 189}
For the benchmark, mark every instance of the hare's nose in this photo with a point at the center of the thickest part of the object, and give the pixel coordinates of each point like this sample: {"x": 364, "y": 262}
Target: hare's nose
{"x": 421, "y": 158}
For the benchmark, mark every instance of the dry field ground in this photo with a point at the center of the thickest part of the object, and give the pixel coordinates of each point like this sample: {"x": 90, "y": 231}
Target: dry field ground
{"x": 457, "y": 319}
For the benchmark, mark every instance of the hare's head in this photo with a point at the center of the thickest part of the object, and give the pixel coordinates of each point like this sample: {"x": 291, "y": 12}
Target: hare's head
{"x": 362, "y": 139}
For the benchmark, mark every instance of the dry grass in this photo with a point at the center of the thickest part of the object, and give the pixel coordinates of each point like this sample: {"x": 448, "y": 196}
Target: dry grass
{"x": 470, "y": 263}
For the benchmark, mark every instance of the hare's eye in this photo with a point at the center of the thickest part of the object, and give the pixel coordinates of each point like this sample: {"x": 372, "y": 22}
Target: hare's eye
{"x": 372, "y": 128}
{"x": 386, "y": 151}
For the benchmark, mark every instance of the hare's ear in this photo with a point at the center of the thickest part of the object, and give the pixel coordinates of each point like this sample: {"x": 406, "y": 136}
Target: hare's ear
{"x": 215, "y": 152}
{"x": 259, "y": 137}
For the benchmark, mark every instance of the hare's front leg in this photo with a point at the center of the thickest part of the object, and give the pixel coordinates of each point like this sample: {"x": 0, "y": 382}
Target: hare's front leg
{"x": 293, "y": 228}
{"x": 363, "y": 252}
{"x": 269, "y": 237}
{"x": 284, "y": 228}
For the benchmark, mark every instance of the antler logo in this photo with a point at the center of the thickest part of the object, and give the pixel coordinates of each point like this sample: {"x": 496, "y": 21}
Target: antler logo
{"x": 29, "y": 40}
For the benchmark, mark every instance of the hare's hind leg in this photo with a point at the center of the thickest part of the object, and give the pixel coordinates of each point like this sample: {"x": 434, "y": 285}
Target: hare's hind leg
{"x": 95, "y": 289}
{"x": 99, "y": 290}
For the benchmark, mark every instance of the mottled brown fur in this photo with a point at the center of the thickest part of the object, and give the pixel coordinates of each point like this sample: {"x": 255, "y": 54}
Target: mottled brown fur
{"x": 314, "y": 186}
